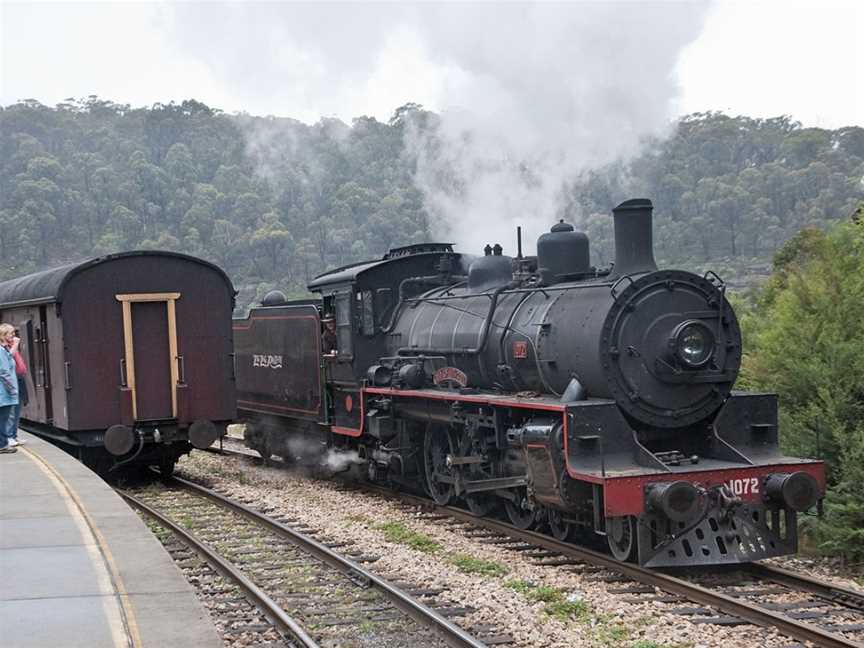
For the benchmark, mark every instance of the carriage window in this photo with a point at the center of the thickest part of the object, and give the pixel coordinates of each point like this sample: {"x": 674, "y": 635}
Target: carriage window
{"x": 343, "y": 324}
{"x": 368, "y": 311}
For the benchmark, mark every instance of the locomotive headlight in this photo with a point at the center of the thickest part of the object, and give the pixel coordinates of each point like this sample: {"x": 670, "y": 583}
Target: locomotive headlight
{"x": 693, "y": 343}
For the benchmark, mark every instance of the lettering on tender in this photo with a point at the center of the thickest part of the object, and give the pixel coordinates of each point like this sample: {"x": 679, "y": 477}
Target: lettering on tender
{"x": 267, "y": 361}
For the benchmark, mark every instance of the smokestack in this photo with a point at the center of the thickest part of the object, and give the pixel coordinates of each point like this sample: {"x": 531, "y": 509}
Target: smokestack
{"x": 634, "y": 238}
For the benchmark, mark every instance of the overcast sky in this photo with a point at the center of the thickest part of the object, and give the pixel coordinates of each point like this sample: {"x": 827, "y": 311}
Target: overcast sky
{"x": 757, "y": 58}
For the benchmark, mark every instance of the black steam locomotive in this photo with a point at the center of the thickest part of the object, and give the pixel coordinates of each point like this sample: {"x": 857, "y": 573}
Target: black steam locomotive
{"x": 578, "y": 399}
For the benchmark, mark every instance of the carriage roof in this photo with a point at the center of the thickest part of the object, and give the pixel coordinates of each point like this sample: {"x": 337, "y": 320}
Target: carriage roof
{"x": 47, "y": 286}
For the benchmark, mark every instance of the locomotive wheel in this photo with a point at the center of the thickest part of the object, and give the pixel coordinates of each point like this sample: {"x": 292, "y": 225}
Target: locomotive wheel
{"x": 520, "y": 514}
{"x": 436, "y": 447}
{"x": 561, "y": 530}
{"x": 166, "y": 467}
{"x": 480, "y": 504}
{"x": 621, "y": 537}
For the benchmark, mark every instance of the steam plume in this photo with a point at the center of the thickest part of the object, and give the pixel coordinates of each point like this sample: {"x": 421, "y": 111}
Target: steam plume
{"x": 545, "y": 92}
{"x": 530, "y": 95}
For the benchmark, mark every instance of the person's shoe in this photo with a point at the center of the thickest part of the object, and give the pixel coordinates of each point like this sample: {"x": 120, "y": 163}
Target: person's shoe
{"x": 8, "y": 450}
{"x": 19, "y": 441}
{"x": 13, "y": 442}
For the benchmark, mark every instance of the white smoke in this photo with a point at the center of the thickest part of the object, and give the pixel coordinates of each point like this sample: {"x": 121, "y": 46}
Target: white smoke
{"x": 307, "y": 451}
{"x": 530, "y": 95}
{"x": 340, "y": 460}
{"x": 304, "y": 449}
{"x": 545, "y": 92}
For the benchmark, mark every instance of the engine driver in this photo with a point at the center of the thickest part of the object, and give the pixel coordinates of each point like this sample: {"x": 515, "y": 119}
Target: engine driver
{"x": 329, "y": 344}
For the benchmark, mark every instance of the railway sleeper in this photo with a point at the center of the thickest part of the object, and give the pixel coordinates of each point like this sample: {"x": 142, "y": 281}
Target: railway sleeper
{"x": 720, "y": 621}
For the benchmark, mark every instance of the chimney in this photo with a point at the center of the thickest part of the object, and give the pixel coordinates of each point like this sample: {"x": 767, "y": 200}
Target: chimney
{"x": 634, "y": 239}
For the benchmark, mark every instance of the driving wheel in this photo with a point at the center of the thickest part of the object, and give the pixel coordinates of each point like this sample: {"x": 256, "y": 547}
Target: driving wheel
{"x": 561, "y": 529}
{"x": 436, "y": 447}
{"x": 522, "y": 515}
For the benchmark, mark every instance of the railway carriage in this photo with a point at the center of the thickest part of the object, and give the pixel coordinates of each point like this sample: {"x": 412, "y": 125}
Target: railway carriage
{"x": 587, "y": 401}
{"x": 129, "y": 356}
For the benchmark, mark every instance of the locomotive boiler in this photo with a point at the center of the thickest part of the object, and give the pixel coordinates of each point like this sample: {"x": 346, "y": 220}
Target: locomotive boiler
{"x": 589, "y": 401}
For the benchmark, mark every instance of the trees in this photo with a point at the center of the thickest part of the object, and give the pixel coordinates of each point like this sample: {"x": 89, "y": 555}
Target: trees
{"x": 732, "y": 189}
{"x": 273, "y": 201}
{"x": 807, "y": 343}
{"x": 91, "y": 176}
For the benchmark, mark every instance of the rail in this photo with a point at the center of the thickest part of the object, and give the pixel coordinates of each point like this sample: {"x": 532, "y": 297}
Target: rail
{"x": 828, "y": 591}
{"x": 745, "y": 610}
{"x": 256, "y": 595}
{"x": 450, "y": 633}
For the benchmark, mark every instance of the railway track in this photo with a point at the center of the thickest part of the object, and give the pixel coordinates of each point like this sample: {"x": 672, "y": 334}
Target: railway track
{"x": 800, "y": 607}
{"x": 308, "y": 593}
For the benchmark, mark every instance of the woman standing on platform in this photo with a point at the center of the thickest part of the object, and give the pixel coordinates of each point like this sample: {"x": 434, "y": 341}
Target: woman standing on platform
{"x": 21, "y": 375}
{"x": 8, "y": 386}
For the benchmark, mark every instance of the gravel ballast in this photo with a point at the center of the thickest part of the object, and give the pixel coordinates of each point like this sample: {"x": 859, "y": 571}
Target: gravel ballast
{"x": 539, "y": 606}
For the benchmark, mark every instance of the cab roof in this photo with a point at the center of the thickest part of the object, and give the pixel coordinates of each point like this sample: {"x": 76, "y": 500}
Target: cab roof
{"x": 351, "y": 273}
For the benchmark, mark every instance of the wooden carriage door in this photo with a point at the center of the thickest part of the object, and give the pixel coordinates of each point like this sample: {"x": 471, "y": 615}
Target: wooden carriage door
{"x": 150, "y": 336}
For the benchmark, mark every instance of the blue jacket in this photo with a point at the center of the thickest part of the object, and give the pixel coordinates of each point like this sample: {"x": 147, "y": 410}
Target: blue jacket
{"x": 8, "y": 379}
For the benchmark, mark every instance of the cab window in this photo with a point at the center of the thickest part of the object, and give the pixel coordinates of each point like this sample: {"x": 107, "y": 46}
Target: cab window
{"x": 368, "y": 310}
{"x": 343, "y": 324}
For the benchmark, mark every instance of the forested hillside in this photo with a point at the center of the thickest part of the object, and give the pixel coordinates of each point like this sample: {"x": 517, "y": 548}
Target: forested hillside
{"x": 805, "y": 341}
{"x": 275, "y": 201}
{"x": 729, "y": 191}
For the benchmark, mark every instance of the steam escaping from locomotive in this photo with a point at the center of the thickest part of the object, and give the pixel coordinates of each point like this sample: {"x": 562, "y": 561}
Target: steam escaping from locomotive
{"x": 341, "y": 460}
{"x": 527, "y": 96}
{"x": 545, "y": 99}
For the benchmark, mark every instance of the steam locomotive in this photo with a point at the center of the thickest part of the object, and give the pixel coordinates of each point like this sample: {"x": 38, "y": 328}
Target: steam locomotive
{"x": 588, "y": 401}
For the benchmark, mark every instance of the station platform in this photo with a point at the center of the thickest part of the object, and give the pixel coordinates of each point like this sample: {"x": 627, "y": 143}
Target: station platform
{"x": 79, "y": 568}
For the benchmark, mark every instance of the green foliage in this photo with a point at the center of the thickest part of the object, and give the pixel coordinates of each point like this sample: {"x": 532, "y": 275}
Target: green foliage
{"x": 843, "y": 530}
{"x": 558, "y": 605}
{"x": 399, "y": 533}
{"x": 728, "y": 191}
{"x": 470, "y": 565}
{"x": 564, "y": 610}
{"x": 545, "y": 594}
{"x": 808, "y": 346}
{"x": 274, "y": 202}
{"x": 521, "y": 586}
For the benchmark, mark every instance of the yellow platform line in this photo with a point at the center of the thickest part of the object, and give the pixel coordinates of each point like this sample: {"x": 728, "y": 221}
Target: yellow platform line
{"x": 127, "y": 612}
